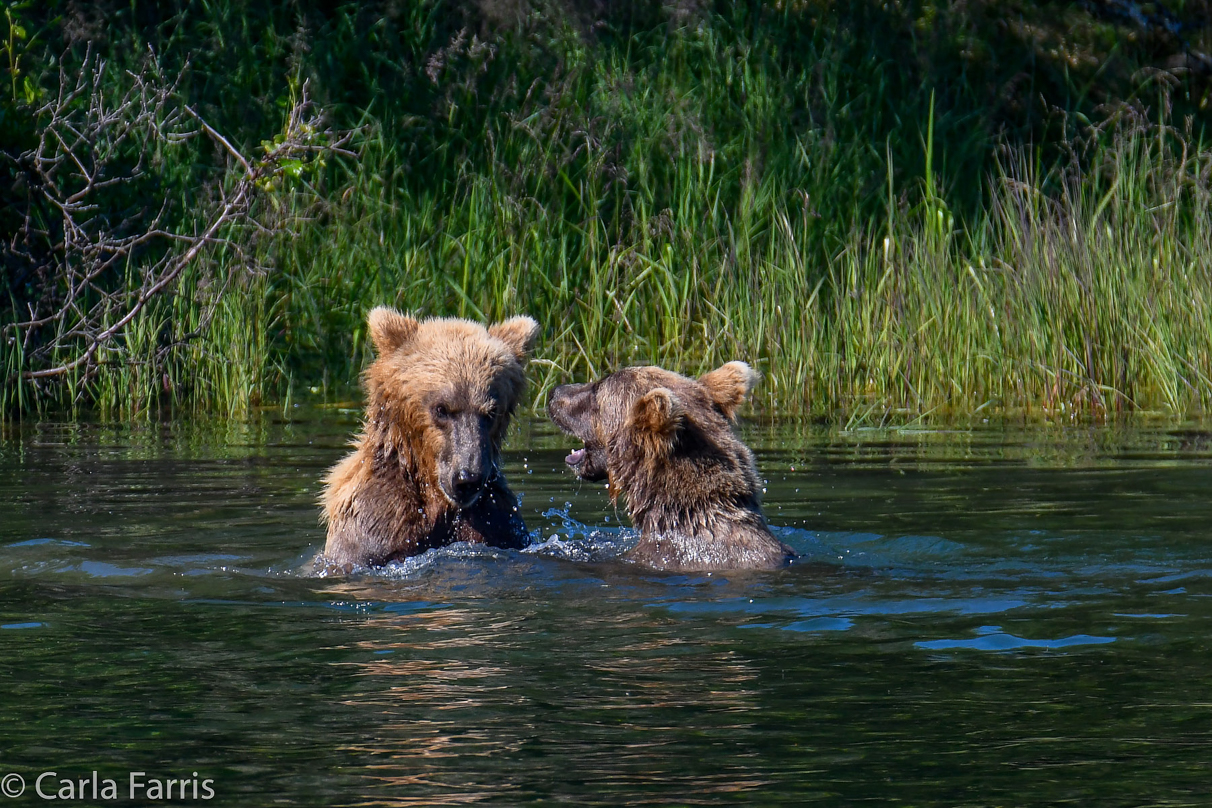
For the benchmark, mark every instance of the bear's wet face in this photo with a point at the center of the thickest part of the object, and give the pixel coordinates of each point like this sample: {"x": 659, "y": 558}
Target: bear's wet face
{"x": 574, "y": 408}
{"x": 465, "y": 425}
{"x": 452, "y": 386}
{"x": 426, "y": 470}
{"x": 600, "y": 413}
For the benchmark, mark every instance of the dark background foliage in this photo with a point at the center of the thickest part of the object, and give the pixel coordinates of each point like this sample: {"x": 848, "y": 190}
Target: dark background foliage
{"x": 446, "y": 78}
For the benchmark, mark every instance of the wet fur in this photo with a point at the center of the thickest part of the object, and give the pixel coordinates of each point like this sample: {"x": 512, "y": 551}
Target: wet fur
{"x": 665, "y": 444}
{"x": 390, "y": 498}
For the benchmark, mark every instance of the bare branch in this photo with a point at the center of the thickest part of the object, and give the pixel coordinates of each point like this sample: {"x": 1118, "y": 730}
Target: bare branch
{"x": 221, "y": 140}
{"x": 100, "y": 266}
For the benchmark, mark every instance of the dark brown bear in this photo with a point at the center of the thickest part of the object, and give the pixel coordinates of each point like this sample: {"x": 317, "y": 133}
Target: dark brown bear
{"x": 665, "y": 442}
{"x": 426, "y": 470}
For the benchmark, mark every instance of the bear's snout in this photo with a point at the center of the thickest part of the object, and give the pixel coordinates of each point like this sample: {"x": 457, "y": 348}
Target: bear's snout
{"x": 467, "y": 464}
{"x": 466, "y": 486}
{"x": 572, "y": 407}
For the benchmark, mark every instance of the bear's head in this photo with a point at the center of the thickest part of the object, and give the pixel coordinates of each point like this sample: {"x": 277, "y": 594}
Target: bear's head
{"x": 440, "y": 395}
{"x": 643, "y": 419}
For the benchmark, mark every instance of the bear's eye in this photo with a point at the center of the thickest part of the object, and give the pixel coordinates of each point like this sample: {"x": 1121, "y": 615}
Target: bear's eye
{"x": 441, "y": 413}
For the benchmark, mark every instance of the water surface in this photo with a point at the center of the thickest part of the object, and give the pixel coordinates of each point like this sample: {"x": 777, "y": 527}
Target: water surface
{"x": 979, "y": 617}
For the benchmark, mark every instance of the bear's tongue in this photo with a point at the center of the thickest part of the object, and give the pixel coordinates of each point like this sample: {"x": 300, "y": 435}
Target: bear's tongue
{"x": 575, "y": 457}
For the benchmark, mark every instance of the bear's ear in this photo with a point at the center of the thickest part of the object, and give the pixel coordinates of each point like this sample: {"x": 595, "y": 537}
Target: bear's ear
{"x": 519, "y": 333}
{"x": 729, "y": 385}
{"x": 389, "y": 329}
{"x": 657, "y": 416}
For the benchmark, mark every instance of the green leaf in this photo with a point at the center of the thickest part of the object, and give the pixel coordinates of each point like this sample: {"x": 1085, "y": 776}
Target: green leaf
{"x": 292, "y": 168}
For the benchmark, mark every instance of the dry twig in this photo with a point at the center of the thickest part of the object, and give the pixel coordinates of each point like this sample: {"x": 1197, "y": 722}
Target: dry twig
{"x": 96, "y": 258}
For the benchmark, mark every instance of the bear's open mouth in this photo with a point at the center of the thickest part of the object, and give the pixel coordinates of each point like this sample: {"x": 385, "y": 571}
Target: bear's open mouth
{"x": 588, "y": 462}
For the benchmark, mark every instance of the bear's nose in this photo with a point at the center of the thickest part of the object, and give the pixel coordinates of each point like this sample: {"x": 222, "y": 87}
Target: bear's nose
{"x": 466, "y": 484}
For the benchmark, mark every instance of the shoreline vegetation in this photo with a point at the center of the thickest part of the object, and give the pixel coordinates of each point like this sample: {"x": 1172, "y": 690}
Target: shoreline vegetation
{"x": 895, "y": 211}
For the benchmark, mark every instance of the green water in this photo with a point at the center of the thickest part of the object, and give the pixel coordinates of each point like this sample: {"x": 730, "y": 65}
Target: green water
{"x": 989, "y": 617}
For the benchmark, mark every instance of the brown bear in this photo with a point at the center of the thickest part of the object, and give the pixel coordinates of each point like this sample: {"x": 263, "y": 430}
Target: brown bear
{"x": 426, "y": 469}
{"x": 666, "y": 444}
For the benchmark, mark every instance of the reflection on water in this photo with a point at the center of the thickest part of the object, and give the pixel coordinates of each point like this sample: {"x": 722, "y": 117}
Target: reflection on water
{"x": 994, "y": 616}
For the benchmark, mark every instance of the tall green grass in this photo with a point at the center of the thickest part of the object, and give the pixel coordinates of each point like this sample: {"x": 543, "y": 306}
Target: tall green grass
{"x": 1083, "y": 291}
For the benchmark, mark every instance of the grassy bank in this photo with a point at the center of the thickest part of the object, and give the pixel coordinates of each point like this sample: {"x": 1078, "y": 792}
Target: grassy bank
{"x": 866, "y": 202}
{"x": 1087, "y": 293}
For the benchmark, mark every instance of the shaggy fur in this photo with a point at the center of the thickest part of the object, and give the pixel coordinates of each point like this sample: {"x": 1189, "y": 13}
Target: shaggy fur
{"x": 666, "y": 444}
{"x": 425, "y": 471}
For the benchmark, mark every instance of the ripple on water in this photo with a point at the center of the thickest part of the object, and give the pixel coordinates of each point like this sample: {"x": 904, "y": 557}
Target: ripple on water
{"x": 992, "y": 638}
{"x": 821, "y": 624}
{"x": 44, "y": 542}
